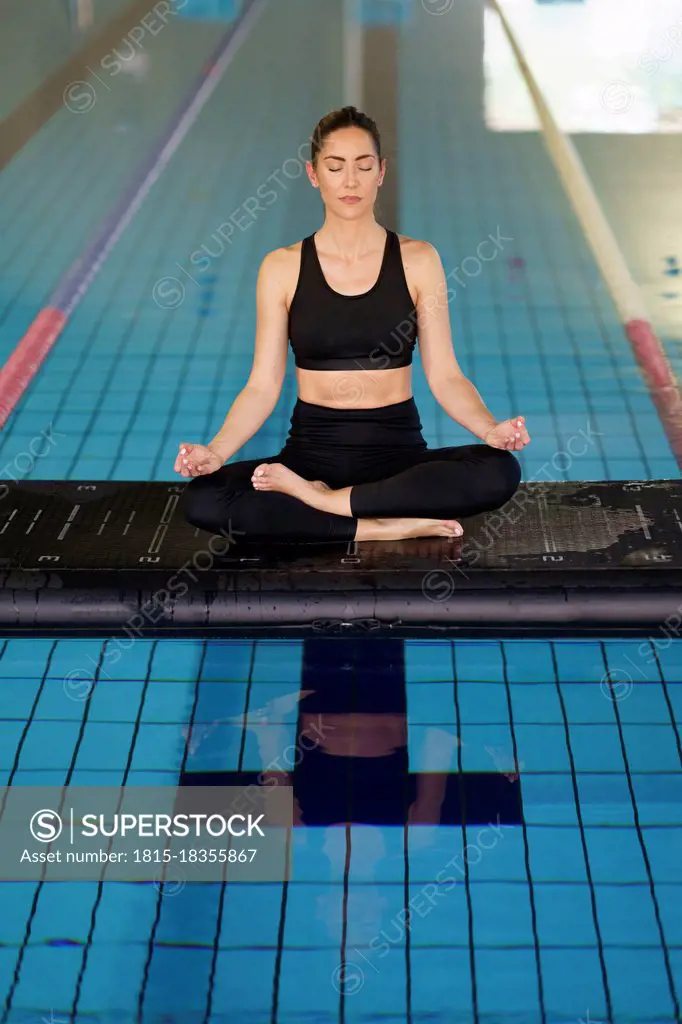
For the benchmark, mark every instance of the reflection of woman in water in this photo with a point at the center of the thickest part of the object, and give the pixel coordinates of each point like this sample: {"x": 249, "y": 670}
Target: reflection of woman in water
{"x": 352, "y": 299}
{"x": 348, "y": 765}
{"x": 351, "y": 766}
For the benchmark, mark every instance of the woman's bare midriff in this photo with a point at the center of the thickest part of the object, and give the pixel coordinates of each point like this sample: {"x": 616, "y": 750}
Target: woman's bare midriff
{"x": 354, "y": 389}
{"x": 357, "y": 734}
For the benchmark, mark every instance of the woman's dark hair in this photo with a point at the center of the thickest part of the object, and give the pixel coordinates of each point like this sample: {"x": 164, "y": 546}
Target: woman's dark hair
{"x": 344, "y": 117}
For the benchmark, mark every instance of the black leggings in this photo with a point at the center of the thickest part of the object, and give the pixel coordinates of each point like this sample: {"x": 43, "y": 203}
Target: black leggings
{"x": 380, "y": 452}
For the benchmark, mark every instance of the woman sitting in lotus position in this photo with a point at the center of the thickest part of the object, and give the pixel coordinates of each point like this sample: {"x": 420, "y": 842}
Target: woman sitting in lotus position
{"x": 352, "y": 299}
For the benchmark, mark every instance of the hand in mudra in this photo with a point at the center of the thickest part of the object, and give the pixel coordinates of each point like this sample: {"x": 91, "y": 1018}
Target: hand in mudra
{"x": 197, "y": 460}
{"x": 509, "y": 434}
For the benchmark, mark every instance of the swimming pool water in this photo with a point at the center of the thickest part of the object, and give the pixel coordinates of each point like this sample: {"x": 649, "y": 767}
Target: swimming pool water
{"x": 571, "y": 913}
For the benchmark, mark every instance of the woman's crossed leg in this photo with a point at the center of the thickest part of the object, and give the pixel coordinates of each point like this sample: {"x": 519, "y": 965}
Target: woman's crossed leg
{"x": 423, "y": 491}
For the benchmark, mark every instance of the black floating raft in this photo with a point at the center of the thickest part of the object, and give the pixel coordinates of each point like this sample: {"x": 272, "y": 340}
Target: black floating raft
{"x": 560, "y": 558}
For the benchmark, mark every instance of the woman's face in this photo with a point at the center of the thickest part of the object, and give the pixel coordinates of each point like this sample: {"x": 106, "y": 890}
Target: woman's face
{"x": 348, "y": 165}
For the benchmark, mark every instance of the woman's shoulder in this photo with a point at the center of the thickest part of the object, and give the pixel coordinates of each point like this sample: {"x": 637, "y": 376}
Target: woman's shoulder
{"x": 416, "y": 247}
{"x": 420, "y": 261}
{"x": 280, "y": 269}
{"x": 284, "y": 259}
{"x": 283, "y": 253}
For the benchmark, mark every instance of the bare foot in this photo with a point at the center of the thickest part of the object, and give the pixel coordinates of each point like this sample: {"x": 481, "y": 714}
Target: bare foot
{"x": 273, "y": 476}
{"x": 427, "y": 528}
{"x": 404, "y": 529}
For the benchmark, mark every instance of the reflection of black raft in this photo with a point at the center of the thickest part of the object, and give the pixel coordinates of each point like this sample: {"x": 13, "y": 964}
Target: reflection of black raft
{"x": 569, "y": 557}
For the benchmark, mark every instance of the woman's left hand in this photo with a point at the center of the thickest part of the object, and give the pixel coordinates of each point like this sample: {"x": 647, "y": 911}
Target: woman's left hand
{"x": 509, "y": 434}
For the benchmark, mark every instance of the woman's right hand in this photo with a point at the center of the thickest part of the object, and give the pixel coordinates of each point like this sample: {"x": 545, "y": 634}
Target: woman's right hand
{"x": 197, "y": 460}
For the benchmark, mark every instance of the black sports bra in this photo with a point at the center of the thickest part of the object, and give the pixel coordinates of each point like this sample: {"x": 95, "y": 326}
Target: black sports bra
{"x": 376, "y": 330}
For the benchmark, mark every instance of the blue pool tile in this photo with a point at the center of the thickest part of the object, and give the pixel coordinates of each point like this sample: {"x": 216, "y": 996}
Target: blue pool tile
{"x": 661, "y": 790}
{"x": 48, "y": 744}
{"x": 257, "y": 909}
{"x": 50, "y": 970}
{"x": 105, "y": 745}
{"x": 482, "y": 703}
{"x": 314, "y": 914}
{"x": 124, "y": 657}
{"x": 667, "y": 651}
{"x": 216, "y": 701}
{"x": 536, "y": 702}
{"x": 669, "y": 897}
{"x": 377, "y": 853}
{"x": 40, "y": 777}
{"x": 375, "y": 916}
{"x": 428, "y": 661}
{"x": 17, "y": 697}
{"x": 170, "y": 971}
{"x": 596, "y": 748}
{"x": 487, "y": 748}
{"x": 433, "y": 748}
{"x": 642, "y": 994}
{"x": 278, "y": 662}
{"x": 383, "y": 993}
{"x": 17, "y": 898}
{"x": 615, "y": 855}
{"x": 556, "y": 854}
{"x": 587, "y": 469}
{"x": 651, "y": 748}
{"x": 60, "y": 701}
{"x": 114, "y": 978}
{"x": 502, "y": 915}
{"x": 318, "y": 996}
{"x": 439, "y": 914}
{"x": 19, "y": 661}
{"x": 7, "y": 968}
{"x": 441, "y": 984}
{"x": 273, "y": 702}
{"x": 507, "y": 982}
{"x": 542, "y": 748}
{"x": 224, "y": 662}
{"x": 548, "y": 799}
{"x": 176, "y": 660}
{"x": 49, "y": 922}
{"x": 431, "y": 703}
{"x": 627, "y": 915}
{"x": 311, "y": 859}
{"x": 116, "y": 700}
{"x": 587, "y": 702}
{"x": 157, "y": 747}
{"x": 572, "y": 984}
{"x": 605, "y": 798}
{"x": 564, "y": 915}
{"x": 646, "y": 703}
{"x": 664, "y": 849}
{"x": 630, "y": 661}
{"x": 168, "y": 702}
{"x": 494, "y": 853}
{"x": 529, "y": 661}
{"x": 480, "y": 661}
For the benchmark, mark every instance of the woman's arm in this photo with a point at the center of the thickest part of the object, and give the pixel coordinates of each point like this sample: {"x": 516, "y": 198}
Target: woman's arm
{"x": 452, "y": 390}
{"x": 257, "y": 399}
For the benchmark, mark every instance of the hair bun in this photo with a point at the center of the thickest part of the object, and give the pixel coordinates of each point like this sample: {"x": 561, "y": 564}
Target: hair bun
{"x": 343, "y": 117}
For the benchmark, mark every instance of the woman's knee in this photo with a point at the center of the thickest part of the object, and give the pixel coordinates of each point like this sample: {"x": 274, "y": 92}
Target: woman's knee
{"x": 505, "y": 475}
{"x": 206, "y": 504}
